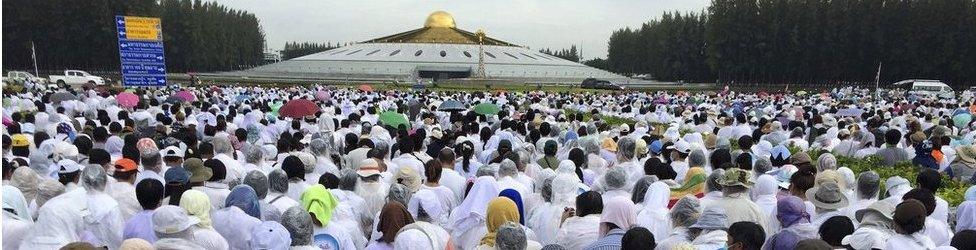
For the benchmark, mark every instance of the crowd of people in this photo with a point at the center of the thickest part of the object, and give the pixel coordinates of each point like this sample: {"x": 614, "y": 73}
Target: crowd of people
{"x": 228, "y": 167}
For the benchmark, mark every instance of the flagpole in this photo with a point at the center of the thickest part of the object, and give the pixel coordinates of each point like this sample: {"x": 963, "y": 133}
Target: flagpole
{"x": 877, "y": 80}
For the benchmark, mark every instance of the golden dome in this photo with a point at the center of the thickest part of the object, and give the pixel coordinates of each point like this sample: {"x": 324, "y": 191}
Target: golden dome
{"x": 440, "y": 19}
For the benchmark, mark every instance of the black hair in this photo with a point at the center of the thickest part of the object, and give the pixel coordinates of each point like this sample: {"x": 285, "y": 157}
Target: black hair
{"x": 66, "y": 178}
{"x": 749, "y": 234}
{"x": 329, "y": 180}
{"x": 892, "y": 136}
{"x": 466, "y": 151}
{"x": 218, "y": 168}
{"x": 99, "y": 157}
{"x": 149, "y": 193}
{"x": 433, "y": 170}
{"x": 294, "y": 167}
{"x": 579, "y": 159}
{"x": 965, "y": 239}
{"x": 923, "y": 195}
{"x": 834, "y": 229}
{"x": 744, "y": 161}
{"x": 589, "y": 202}
{"x": 655, "y": 167}
{"x": 929, "y": 179}
{"x": 637, "y": 238}
{"x": 719, "y": 157}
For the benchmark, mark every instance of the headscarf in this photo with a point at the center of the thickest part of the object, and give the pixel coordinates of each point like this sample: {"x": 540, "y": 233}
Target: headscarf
{"x": 694, "y": 184}
{"x": 14, "y": 205}
{"x": 765, "y": 190}
{"x": 197, "y": 204}
{"x": 517, "y": 198}
{"x": 392, "y": 218}
{"x": 421, "y": 236}
{"x": 965, "y": 216}
{"x": 472, "y": 209}
{"x": 427, "y": 200}
{"x": 620, "y": 211}
{"x": 500, "y": 211}
{"x": 244, "y": 197}
{"x": 655, "y": 214}
{"x": 609, "y": 145}
{"x": 791, "y": 210}
{"x": 320, "y": 202}
{"x": 970, "y": 193}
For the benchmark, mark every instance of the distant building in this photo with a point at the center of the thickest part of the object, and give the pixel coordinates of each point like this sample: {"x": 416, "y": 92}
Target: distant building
{"x": 438, "y": 50}
{"x": 272, "y": 57}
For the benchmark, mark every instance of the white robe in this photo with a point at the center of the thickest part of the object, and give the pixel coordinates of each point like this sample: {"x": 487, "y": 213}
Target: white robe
{"x": 909, "y": 242}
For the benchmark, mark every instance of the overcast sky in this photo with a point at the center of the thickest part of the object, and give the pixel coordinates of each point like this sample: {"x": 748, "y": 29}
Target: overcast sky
{"x": 533, "y": 23}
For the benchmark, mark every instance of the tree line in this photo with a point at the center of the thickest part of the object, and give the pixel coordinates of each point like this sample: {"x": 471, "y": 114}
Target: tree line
{"x": 571, "y": 54}
{"x": 296, "y": 49}
{"x": 803, "y": 41}
{"x": 198, "y": 36}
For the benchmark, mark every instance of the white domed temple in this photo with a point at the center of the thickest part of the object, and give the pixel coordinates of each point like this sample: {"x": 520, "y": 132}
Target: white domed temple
{"x": 439, "y": 50}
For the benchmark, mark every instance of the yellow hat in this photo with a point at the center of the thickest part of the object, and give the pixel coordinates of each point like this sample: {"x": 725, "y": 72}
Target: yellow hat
{"x": 19, "y": 140}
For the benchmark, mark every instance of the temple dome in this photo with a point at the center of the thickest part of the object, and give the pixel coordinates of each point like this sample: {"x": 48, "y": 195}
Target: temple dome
{"x": 440, "y": 19}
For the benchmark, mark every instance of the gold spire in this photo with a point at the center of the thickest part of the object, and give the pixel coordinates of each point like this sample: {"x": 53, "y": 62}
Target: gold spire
{"x": 440, "y": 19}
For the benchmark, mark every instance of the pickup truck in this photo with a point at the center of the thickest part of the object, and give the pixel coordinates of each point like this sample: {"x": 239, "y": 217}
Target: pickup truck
{"x": 76, "y": 77}
{"x": 22, "y": 76}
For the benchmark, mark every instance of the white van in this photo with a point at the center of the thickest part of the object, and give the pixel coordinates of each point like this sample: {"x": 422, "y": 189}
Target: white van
{"x": 927, "y": 87}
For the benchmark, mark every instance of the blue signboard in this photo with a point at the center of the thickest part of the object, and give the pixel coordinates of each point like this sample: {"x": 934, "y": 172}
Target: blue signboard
{"x": 141, "y": 51}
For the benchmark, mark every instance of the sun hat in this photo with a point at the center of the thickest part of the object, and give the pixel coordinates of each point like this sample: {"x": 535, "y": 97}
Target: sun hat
{"x": 368, "y": 167}
{"x": 883, "y": 208}
{"x": 967, "y": 153}
{"x": 198, "y": 173}
{"x": 710, "y": 141}
{"x": 783, "y": 175}
{"x": 170, "y": 219}
{"x": 736, "y": 177}
{"x": 712, "y": 218}
{"x": 827, "y": 195}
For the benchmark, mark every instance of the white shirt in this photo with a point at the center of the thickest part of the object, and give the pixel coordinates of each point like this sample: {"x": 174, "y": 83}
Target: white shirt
{"x": 578, "y": 232}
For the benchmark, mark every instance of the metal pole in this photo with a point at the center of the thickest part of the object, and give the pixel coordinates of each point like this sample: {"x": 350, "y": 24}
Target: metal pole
{"x": 34, "y": 57}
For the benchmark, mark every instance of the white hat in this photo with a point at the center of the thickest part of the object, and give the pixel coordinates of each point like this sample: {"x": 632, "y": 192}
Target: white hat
{"x": 172, "y": 151}
{"x": 171, "y": 219}
{"x": 681, "y": 146}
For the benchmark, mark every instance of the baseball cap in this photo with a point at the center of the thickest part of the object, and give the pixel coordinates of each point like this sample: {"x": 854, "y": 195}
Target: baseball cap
{"x": 68, "y": 166}
{"x": 368, "y": 167}
{"x": 172, "y": 151}
{"x": 656, "y": 146}
{"x": 270, "y": 235}
{"x": 171, "y": 219}
{"x": 125, "y": 165}
{"x": 681, "y": 146}
{"x": 177, "y": 175}
{"x": 19, "y": 140}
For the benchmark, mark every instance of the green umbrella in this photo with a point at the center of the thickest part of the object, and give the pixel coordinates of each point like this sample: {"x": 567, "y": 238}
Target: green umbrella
{"x": 393, "y": 119}
{"x": 486, "y": 109}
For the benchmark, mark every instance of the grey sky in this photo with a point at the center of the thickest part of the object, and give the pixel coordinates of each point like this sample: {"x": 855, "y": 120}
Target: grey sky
{"x": 533, "y": 23}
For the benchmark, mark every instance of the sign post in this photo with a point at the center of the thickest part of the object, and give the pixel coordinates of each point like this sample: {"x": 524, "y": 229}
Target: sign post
{"x": 141, "y": 51}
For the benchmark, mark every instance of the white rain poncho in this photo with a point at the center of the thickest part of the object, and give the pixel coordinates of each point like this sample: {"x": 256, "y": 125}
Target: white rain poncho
{"x": 566, "y": 184}
{"x": 60, "y": 221}
{"x": 765, "y": 190}
{"x": 468, "y": 219}
{"x": 578, "y": 232}
{"x": 966, "y": 216}
{"x": 104, "y": 221}
{"x": 421, "y": 236}
{"x": 654, "y": 216}
{"x": 17, "y": 220}
{"x": 234, "y": 225}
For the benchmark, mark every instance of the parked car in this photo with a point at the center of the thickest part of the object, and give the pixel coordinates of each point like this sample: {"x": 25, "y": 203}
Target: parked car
{"x": 76, "y": 78}
{"x": 926, "y": 87}
{"x": 21, "y": 77}
{"x": 593, "y": 83}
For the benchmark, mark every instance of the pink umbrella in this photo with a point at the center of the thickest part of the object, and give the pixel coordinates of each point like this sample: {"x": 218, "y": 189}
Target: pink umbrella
{"x": 323, "y": 95}
{"x": 126, "y": 99}
{"x": 186, "y": 96}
